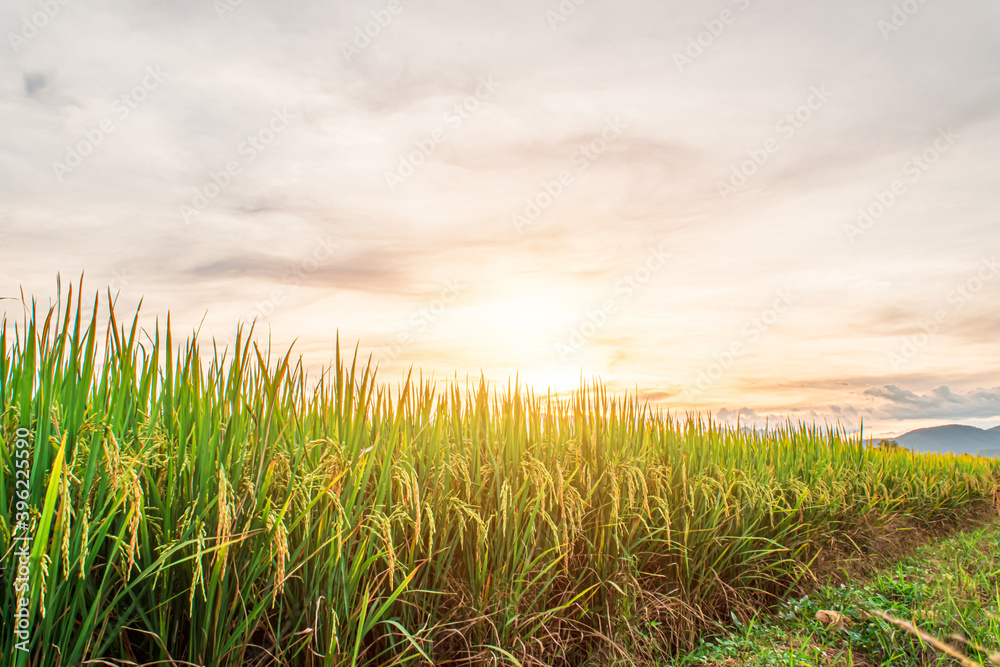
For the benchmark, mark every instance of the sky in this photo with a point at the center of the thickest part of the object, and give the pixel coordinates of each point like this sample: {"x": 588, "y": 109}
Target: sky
{"x": 761, "y": 209}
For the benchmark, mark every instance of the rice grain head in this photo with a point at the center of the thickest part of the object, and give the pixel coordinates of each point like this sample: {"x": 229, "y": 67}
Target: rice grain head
{"x": 135, "y": 517}
{"x": 85, "y": 538}
{"x": 279, "y": 554}
{"x": 225, "y": 519}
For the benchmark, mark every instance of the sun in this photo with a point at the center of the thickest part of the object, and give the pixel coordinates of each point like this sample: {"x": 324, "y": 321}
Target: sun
{"x": 518, "y": 334}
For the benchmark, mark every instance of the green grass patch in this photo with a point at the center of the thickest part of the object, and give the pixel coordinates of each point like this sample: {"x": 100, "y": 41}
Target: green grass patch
{"x": 947, "y": 588}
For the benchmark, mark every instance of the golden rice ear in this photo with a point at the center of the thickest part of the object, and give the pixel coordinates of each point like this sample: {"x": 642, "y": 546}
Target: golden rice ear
{"x": 279, "y": 553}
{"x": 65, "y": 514}
{"x": 134, "y": 492}
{"x": 85, "y": 539}
{"x": 224, "y": 529}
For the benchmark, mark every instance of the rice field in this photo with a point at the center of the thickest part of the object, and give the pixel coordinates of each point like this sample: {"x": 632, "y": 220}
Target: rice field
{"x": 186, "y": 505}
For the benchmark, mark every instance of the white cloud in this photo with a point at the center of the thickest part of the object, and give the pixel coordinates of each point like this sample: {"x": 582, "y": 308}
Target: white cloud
{"x": 325, "y": 176}
{"x": 940, "y": 403}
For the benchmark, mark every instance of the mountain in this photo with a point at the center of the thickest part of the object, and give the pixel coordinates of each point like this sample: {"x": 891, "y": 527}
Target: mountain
{"x": 953, "y": 438}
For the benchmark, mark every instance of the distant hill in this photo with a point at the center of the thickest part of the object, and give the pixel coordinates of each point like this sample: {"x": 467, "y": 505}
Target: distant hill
{"x": 953, "y": 438}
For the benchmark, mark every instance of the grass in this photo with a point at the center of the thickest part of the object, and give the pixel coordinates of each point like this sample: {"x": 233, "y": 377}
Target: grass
{"x": 949, "y": 589}
{"x": 221, "y": 508}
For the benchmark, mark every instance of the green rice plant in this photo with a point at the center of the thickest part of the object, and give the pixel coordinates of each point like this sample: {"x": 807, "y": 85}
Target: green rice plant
{"x": 221, "y": 508}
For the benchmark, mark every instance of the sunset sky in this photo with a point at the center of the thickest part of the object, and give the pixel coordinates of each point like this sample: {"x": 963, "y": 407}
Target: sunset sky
{"x": 750, "y": 207}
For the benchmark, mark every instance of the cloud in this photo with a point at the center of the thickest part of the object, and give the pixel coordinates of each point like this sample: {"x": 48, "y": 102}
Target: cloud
{"x": 743, "y": 414}
{"x": 654, "y": 396}
{"x": 939, "y": 403}
{"x": 325, "y": 175}
{"x": 34, "y": 81}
